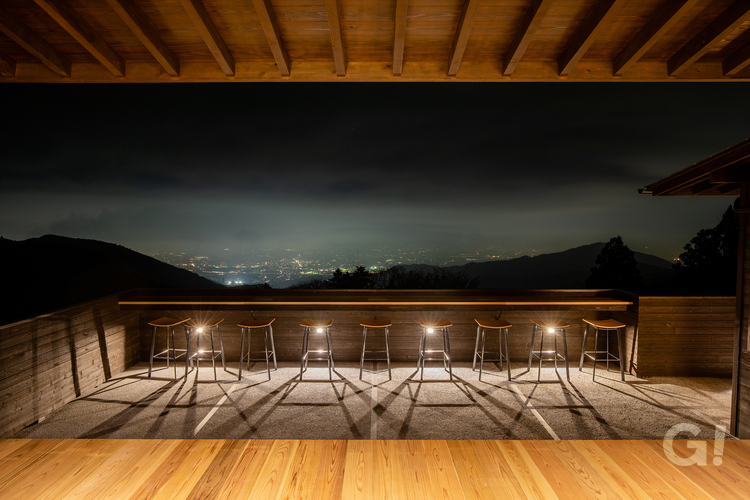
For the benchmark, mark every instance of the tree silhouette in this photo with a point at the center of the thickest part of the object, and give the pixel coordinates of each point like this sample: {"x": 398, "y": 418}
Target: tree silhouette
{"x": 616, "y": 267}
{"x": 708, "y": 266}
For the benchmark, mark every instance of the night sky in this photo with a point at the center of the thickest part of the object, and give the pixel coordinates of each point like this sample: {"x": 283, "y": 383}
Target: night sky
{"x": 204, "y": 167}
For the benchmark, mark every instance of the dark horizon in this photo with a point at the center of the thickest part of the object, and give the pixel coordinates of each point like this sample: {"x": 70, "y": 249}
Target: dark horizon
{"x": 465, "y": 166}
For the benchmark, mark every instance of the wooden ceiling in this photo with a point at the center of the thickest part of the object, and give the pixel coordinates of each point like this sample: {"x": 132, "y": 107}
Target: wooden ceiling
{"x": 374, "y": 40}
{"x": 721, "y": 174}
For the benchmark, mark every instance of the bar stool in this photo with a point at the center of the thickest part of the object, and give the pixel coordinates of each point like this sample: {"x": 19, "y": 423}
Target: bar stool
{"x": 200, "y": 327}
{"x": 320, "y": 326}
{"x": 607, "y": 325}
{"x": 552, "y": 327}
{"x": 169, "y": 324}
{"x": 247, "y": 325}
{"x": 502, "y": 328}
{"x": 375, "y": 323}
{"x": 430, "y": 327}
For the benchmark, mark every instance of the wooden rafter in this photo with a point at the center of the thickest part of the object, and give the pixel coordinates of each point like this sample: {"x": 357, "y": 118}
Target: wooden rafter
{"x": 531, "y": 21}
{"x": 334, "y": 26}
{"x": 728, "y": 21}
{"x": 661, "y": 22}
{"x": 206, "y": 27}
{"x": 734, "y": 173}
{"x": 72, "y": 22}
{"x": 604, "y": 11}
{"x": 142, "y": 28}
{"x": 736, "y": 61}
{"x": 270, "y": 27}
{"x": 33, "y": 43}
{"x": 461, "y": 38}
{"x": 399, "y": 37}
{"x": 7, "y": 66}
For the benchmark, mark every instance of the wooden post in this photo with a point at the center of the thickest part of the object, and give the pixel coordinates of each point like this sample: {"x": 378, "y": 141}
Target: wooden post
{"x": 740, "y": 417}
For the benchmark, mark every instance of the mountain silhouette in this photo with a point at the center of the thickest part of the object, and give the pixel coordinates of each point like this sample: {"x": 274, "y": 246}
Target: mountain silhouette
{"x": 45, "y": 274}
{"x": 567, "y": 269}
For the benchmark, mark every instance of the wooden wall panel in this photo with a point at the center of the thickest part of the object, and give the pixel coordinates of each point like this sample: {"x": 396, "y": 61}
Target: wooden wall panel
{"x": 48, "y": 361}
{"x": 743, "y": 405}
{"x": 685, "y": 336}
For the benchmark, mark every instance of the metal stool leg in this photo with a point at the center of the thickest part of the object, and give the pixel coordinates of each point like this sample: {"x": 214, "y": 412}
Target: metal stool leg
{"x": 329, "y": 342}
{"x": 213, "y": 358}
{"x": 221, "y": 346}
{"x": 265, "y": 342}
{"x": 606, "y": 332}
{"x": 541, "y": 349}
{"x": 242, "y": 351}
{"x": 583, "y": 349}
{"x": 151, "y": 358}
{"x": 565, "y": 351}
{"x": 531, "y": 347}
{"x": 421, "y": 351}
{"x": 388, "y": 352}
{"x": 476, "y": 351}
{"x": 620, "y": 353}
{"x": 187, "y": 354}
{"x": 304, "y": 353}
{"x": 448, "y": 346}
{"x": 500, "y": 343}
{"x": 596, "y": 350}
{"x": 273, "y": 348}
{"x": 362, "y": 357}
{"x": 481, "y": 359}
{"x": 555, "y": 336}
{"x": 507, "y": 353}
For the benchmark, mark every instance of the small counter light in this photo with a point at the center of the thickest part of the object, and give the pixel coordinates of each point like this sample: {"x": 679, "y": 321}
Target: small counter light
{"x": 551, "y": 330}
{"x": 200, "y": 330}
{"x": 430, "y": 330}
{"x": 320, "y": 330}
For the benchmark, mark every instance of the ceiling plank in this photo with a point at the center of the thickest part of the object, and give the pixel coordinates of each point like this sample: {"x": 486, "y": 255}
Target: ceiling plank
{"x": 399, "y": 37}
{"x": 461, "y": 38}
{"x": 736, "y": 61}
{"x": 142, "y": 28}
{"x": 207, "y": 29}
{"x": 270, "y": 27}
{"x": 661, "y": 22}
{"x": 72, "y": 22}
{"x": 728, "y": 21}
{"x": 7, "y": 66}
{"x": 602, "y": 14}
{"x": 334, "y": 26}
{"x": 531, "y": 21}
{"x": 33, "y": 43}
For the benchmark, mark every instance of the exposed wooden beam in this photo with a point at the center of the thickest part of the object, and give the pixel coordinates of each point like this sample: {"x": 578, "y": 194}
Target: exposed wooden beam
{"x": 206, "y": 27}
{"x": 735, "y": 173}
{"x": 664, "y": 18}
{"x": 334, "y": 26}
{"x": 530, "y": 23}
{"x": 7, "y": 66}
{"x": 270, "y": 27}
{"x": 728, "y": 21}
{"x": 736, "y": 61}
{"x": 399, "y": 37}
{"x": 461, "y": 38}
{"x": 142, "y": 28}
{"x": 72, "y": 22}
{"x": 33, "y": 43}
{"x": 604, "y": 11}
{"x": 701, "y": 188}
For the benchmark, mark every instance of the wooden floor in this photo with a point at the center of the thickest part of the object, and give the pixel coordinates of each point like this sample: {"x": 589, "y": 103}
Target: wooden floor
{"x": 176, "y": 469}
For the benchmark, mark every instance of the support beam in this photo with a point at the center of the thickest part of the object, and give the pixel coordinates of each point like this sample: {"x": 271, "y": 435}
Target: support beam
{"x": 206, "y": 27}
{"x": 7, "y": 66}
{"x": 661, "y": 22}
{"x": 735, "y": 173}
{"x": 33, "y": 43}
{"x": 736, "y": 61}
{"x": 72, "y": 22}
{"x": 602, "y": 14}
{"x": 461, "y": 38}
{"x": 728, "y": 21}
{"x": 334, "y": 26}
{"x": 142, "y": 28}
{"x": 399, "y": 37}
{"x": 531, "y": 21}
{"x": 270, "y": 27}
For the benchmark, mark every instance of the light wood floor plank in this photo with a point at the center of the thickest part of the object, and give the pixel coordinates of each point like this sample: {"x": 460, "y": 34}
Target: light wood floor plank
{"x": 443, "y": 474}
{"x": 214, "y": 477}
{"x": 608, "y": 470}
{"x": 506, "y": 483}
{"x": 246, "y": 470}
{"x": 475, "y": 481}
{"x": 25, "y": 459}
{"x": 274, "y": 472}
{"x": 189, "y": 471}
{"x": 388, "y": 477}
{"x": 329, "y": 482}
{"x": 555, "y": 472}
{"x": 159, "y": 478}
{"x": 532, "y": 481}
{"x": 300, "y": 481}
{"x": 584, "y": 472}
{"x": 358, "y": 471}
{"x": 414, "y": 469}
{"x": 8, "y": 446}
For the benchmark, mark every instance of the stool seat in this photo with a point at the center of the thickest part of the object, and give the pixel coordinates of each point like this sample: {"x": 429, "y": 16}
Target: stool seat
{"x": 256, "y": 323}
{"x": 316, "y": 323}
{"x": 195, "y": 323}
{"x": 374, "y": 323}
{"x": 550, "y": 323}
{"x": 492, "y": 323}
{"x": 440, "y": 323}
{"x": 166, "y": 321}
{"x": 604, "y": 324}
